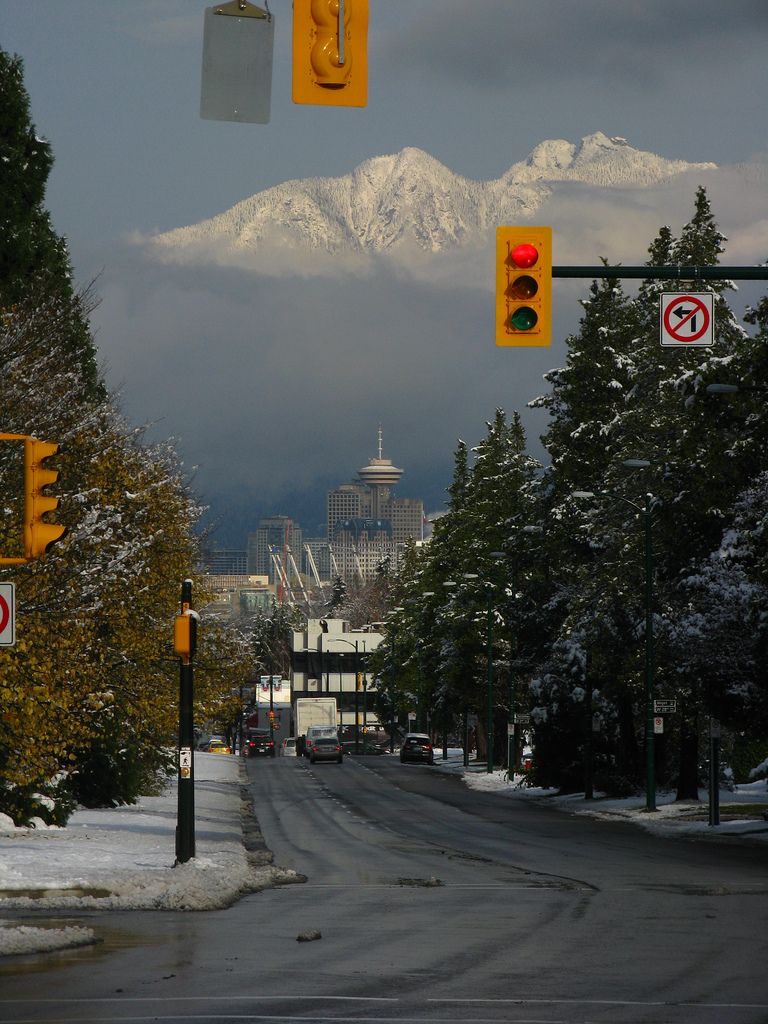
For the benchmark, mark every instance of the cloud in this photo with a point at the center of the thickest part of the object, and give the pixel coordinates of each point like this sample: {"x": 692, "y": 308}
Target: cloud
{"x": 525, "y": 45}
{"x": 275, "y": 384}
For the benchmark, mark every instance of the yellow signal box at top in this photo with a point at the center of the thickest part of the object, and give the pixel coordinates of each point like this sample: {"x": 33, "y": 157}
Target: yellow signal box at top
{"x": 524, "y": 286}
{"x": 330, "y": 52}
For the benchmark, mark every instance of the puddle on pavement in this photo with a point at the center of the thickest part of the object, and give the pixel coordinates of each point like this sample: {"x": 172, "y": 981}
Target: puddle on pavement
{"x": 106, "y": 940}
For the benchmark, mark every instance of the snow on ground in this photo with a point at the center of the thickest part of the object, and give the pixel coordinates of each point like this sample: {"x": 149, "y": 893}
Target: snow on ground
{"x": 670, "y": 818}
{"x": 123, "y": 858}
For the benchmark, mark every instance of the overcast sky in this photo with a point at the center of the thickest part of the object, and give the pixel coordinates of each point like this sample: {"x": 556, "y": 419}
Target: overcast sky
{"x": 115, "y": 88}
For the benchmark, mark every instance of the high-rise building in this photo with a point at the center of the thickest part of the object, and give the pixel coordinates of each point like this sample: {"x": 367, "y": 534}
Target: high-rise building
{"x": 224, "y": 561}
{"x": 367, "y": 524}
{"x": 277, "y": 539}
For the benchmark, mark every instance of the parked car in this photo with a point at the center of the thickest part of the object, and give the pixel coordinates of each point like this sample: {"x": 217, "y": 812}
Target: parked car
{"x": 417, "y": 746}
{"x": 288, "y": 747}
{"x": 257, "y": 743}
{"x": 325, "y": 748}
{"x": 219, "y": 747}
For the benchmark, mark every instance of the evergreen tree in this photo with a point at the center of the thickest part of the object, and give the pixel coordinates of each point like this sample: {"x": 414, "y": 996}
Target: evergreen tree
{"x": 34, "y": 261}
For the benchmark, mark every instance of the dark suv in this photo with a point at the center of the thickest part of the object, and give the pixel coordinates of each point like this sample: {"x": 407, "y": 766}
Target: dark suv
{"x": 258, "y": 744}
{"x": 417, "y": 746}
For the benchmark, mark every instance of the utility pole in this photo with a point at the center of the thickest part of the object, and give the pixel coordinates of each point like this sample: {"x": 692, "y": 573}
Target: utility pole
{"x": 185, "y": 643}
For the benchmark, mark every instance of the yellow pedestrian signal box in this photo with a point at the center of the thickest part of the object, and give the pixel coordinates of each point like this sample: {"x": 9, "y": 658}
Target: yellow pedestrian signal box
{"x": 39, "y": 534}
{"x": 185, "y": 635}
{"x": 524, "y": 286}
{"x": 330, "y": 52}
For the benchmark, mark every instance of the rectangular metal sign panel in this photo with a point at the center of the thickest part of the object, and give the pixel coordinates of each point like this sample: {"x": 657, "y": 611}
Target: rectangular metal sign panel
{"x": 686, "y": 319}
{"x": 237, "y": 67}
{"x": 7, "y": 614}
{"x": 664, "y": 707}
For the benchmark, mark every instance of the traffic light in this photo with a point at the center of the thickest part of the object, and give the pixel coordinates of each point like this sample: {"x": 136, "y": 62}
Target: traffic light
{"x": 524, "y": 286}
{"x": 330, "y": 52}
{"x": 185, "y": 635}
{"x": 39, "y": 534}
{"x": 271, "y": 716}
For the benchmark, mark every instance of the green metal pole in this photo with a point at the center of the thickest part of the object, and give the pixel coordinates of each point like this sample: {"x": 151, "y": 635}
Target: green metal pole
{"x": 271, "y": 714}
{"x": 185, "y": 817}
{"x": 489, "y": 725}
{"x": 679, "y": 272}
{"x": 650, "y": 777}
{"x": 365, "y": 700}
{"x": 392, "y": 702}
{"x": 511, "y": 730}
{"x": 357, "y": 698}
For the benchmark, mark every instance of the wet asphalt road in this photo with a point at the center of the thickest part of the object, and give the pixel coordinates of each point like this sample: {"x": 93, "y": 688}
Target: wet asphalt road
{"x": 434, "y": 903}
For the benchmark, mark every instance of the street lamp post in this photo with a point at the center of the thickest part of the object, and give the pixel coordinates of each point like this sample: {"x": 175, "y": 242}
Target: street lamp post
{"x": 355, "y": 644}
{"x": 489, "y": 723}
{"x": 646, "y": 512}
{"x": 397, "y": 609}
{"x": 650, "y": 768}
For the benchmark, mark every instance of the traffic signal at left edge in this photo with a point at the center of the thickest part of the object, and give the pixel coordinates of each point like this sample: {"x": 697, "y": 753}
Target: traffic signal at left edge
{"x": 39, "y": 533}
{"x": 524, "y": 286}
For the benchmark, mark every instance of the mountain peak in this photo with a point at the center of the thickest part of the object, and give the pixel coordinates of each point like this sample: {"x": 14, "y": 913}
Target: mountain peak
{"x": 407, "y": 198}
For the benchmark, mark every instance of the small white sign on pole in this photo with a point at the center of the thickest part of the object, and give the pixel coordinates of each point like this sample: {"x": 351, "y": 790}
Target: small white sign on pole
{"x": 686, "y": 319}
{"x": 7, "y": 614}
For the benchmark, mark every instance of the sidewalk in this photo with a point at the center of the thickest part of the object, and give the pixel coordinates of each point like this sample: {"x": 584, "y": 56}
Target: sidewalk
{"x": 123, "y": 858}
{"x": 741, "y": 809}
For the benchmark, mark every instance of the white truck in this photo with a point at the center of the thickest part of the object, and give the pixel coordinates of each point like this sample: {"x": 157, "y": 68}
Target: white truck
{"x": 314, "y": 711}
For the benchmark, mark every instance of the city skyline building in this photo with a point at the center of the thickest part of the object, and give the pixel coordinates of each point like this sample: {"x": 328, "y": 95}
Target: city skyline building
{"x": 367, "y": 525}
{"x": 276, "y": 539}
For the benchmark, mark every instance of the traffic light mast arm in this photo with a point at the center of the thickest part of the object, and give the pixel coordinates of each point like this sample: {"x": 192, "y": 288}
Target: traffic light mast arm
{"x": 677, "y": 271}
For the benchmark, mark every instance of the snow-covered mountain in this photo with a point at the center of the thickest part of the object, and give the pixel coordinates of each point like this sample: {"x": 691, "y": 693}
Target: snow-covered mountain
{"x": 409, "y": 198}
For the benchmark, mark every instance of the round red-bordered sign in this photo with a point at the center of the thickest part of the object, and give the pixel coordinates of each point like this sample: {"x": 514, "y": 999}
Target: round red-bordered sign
{"x": 5, "y": 614}
{"x": 686, "y": 316}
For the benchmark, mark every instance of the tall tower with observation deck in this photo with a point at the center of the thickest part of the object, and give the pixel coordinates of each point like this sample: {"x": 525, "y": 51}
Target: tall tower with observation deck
{"x": 379, "y": 476}
{"x": 366, "y": 523}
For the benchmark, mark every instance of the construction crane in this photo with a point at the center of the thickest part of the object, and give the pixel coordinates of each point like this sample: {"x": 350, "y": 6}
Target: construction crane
{"x": 297, "y": 574}
{"x": 313, "y": 567}
{"x": 281, "y": 576}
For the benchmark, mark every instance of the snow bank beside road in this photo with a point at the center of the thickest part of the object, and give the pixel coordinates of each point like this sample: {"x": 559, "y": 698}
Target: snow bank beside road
{"x": 123, "y": 859}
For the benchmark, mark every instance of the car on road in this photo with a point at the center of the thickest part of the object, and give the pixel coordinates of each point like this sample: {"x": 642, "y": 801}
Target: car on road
{"x": 325, "y": 748}
{"x": 417, "y": 746}
{"x": 258, "y": 743}
{"x": 288, "y": 747}
{"x": 219, "y": 747}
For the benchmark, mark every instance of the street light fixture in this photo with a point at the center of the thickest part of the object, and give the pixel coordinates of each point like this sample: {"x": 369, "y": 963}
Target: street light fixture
{"x": 355, "y": 644}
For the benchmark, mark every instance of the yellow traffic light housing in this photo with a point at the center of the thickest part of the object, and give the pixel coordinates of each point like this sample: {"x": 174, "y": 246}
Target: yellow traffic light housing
{"x": 185, "y": 635}
{"x": 524, "y": 286}
{"x": 39, "y": 534}
{"x": 330, "y": 52}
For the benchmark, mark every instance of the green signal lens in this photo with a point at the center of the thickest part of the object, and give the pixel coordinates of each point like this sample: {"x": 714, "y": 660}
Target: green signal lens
{"x": 523, "y": 318}
{"x": 524, "y": 287}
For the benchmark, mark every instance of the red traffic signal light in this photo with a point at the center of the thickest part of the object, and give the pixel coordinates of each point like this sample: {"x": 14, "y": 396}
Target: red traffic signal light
{"x": 524, "y": 286}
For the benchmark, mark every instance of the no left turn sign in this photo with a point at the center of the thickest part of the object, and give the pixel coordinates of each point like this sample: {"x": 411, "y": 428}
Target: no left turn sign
{"x": 7, "y": 614}
{"x": 686, "y": 319}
